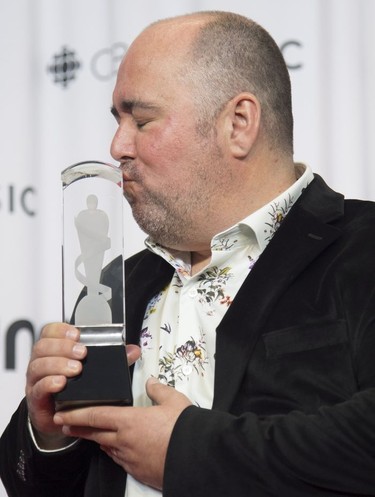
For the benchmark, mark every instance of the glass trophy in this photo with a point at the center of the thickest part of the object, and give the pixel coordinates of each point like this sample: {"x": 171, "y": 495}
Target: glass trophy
{"x": 93, "y": 283}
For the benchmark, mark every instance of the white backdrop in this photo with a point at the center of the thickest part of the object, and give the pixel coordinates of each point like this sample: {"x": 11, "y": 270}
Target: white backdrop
{"x": 58, "y": 64}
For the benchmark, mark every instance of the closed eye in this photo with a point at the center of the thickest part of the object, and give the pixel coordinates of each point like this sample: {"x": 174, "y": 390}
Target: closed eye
{"x": 141, "y": 124}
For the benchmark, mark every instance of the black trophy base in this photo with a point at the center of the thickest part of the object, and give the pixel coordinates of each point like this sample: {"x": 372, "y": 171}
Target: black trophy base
{"x": 104, "y": 380}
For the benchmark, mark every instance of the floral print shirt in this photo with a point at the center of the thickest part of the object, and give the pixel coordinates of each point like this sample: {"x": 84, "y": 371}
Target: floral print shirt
{"x": 179, "y": 327}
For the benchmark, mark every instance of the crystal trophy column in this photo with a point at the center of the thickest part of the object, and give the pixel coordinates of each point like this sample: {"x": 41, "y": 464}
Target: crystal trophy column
{"x": 93, "y": 283}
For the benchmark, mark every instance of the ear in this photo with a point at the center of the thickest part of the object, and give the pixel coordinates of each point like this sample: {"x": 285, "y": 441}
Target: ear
{"x": 242, "y": 123}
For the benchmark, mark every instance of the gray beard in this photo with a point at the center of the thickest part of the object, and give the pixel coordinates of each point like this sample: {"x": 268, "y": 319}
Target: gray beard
{"x": 168, "y": 223}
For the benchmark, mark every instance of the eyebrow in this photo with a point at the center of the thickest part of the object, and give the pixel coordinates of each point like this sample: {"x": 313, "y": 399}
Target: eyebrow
{"x": 131, "y": 105}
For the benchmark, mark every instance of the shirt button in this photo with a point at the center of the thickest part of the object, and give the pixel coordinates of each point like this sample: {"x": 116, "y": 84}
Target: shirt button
{"x": 193, "y": 293}
{"x": 187, "y": 369}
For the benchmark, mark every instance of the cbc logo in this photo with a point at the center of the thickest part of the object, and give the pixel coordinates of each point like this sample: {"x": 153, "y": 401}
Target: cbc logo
{"x": 66, "y": 64}
{"x": 15, "y": 199}
{"x": 289, "y": 49}
{"x": 105, "y": 62}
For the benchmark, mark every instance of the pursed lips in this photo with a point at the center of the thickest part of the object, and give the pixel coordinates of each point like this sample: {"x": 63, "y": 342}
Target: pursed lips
{"x": 126, "y": 187}
{"x": 125, "y": 173}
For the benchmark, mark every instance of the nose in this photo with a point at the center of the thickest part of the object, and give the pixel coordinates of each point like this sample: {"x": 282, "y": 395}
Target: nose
{"x": 123, "y": 143}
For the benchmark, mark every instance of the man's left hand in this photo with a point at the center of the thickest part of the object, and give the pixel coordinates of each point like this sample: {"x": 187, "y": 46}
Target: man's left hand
{"x": 136, "y": 438}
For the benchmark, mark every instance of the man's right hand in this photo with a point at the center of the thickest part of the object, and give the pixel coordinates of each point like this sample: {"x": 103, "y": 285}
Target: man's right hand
{"x": 55, "y": 357}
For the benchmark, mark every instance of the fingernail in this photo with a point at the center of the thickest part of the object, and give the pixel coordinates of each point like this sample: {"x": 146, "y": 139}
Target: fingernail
{"x": 58, "y": 419}
{"x": 73, "y": 365}
{"x": 79, "y": 349}
{"x": 71, "y": 333}
{"x": 58, "y": 380}
{"x": 153, "y": 380}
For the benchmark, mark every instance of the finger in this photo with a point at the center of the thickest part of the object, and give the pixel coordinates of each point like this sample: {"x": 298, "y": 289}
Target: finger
{"x": 40, "y": 402}
{"x": 49, "y": 361}
{"x": 133, "y": 353}
{"x": 101, "y": 437}
{"x": 52, "y": 366}
{"x": 60, "y": 330}
{"x": 42, "y": 389}
{"x": 51, "y": 347}
{"x": 98, "y": 417}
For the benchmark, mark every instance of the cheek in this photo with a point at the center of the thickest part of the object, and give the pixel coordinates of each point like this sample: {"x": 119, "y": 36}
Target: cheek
{"x": 160, "y": 147}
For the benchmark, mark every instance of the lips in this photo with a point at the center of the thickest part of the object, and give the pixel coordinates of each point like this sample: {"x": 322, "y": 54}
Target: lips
{"x": 129, "y": 177}
{"x": 126, "y": 182}
{"x": 126, "y": 177}
{"x": 127, "y": 189}
{"x": 127, "y": 174}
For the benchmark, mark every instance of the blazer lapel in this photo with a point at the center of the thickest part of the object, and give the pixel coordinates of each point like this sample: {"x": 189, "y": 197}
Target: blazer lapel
{"x": 303, "y": 235}
{"x": 144, "y": 279}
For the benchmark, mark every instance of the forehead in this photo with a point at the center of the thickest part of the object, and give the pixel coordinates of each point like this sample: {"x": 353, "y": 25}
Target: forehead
{"x": 141, "y": 75}
{"x": 155, "y": 62}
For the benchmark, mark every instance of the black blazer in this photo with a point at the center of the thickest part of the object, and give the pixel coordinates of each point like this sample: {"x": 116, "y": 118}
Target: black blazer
{"x": 294, "y": 398}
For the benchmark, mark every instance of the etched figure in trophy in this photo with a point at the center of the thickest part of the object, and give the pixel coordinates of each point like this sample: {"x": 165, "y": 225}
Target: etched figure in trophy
{"x": 92, "y": 228}
{"x": 94, "y": 284}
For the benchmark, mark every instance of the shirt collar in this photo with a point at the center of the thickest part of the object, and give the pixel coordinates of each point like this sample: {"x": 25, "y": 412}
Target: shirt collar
{"x": 265, "y": 221}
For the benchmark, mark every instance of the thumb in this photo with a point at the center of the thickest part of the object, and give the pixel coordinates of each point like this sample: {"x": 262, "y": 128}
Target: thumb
{"x": 158, "y": 392}
{"x": 163, "y": 394}
{"x": 133, "y": 353}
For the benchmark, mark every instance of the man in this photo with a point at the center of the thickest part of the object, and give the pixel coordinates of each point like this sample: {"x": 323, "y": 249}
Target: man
{"x": 253, "y": 304}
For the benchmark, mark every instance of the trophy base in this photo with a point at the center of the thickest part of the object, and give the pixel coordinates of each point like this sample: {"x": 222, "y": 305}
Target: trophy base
{"x": 105, "y": 378}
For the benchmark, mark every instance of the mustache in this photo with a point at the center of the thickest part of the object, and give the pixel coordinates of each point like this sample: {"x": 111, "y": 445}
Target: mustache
{"x": 130, "y": 170}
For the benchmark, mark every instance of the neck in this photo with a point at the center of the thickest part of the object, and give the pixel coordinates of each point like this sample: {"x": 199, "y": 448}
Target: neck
{"x": 199, "y": 260}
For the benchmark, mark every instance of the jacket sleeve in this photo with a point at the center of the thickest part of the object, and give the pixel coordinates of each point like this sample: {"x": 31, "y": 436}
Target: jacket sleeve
{"x": 28, "y": 472}
{"x": 330, "y": 453}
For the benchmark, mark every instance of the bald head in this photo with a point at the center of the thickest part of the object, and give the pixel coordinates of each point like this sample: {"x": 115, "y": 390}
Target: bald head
{"x": 168, "y": 43}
